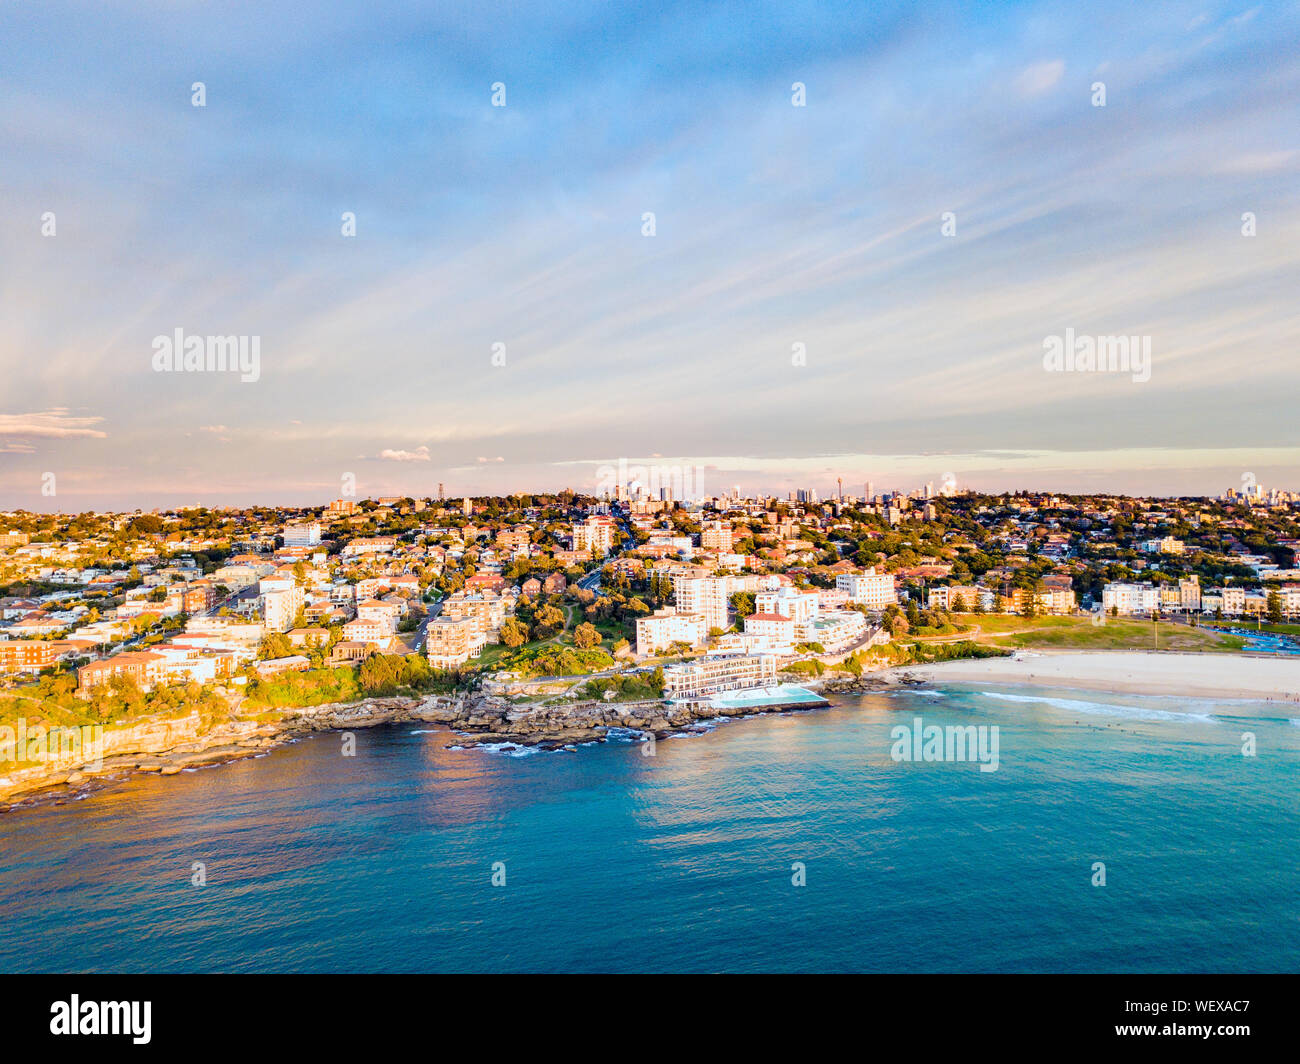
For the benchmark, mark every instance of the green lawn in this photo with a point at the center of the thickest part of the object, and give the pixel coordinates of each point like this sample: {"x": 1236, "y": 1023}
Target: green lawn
{"x": 1080, "y": 633}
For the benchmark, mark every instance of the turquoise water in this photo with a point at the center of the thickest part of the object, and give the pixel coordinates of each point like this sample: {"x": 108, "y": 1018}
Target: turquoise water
{"x": 615, "y": 861}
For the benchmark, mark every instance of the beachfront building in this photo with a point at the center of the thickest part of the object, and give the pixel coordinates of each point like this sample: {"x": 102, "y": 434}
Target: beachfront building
{"x": 485, "y": 608}
{"x": 452, "y": 641}
{"x": 708, "y": 676}
{"x": 1057, "y": 600}
{"x": 667, "y": 626}
{"x": 961, "y": 597}
{"x": 835, "y": 631}
{"x": 142, "y": 667}
{"x": 1130, "y": 600}
{"x": 871, "y": 589}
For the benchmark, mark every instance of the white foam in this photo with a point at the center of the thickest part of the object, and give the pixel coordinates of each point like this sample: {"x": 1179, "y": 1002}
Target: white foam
{"x": 1103, "y": 708}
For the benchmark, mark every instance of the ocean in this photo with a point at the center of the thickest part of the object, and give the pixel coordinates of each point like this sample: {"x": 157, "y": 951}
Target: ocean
{"x": 410, "y": 857}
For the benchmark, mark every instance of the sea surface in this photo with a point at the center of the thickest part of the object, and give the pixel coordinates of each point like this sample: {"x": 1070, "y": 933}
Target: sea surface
{"x": 686, "y": 861}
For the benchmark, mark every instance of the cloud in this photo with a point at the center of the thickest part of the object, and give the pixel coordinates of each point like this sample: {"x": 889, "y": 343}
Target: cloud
{"x": 1038, "y": 78}
{"x": 498, "y": 459}
{"x": 389, "y": 454}
{"x": 213, "y": 428}
{"x": 55, "y": 423}
{"x": 1260, "y": 162}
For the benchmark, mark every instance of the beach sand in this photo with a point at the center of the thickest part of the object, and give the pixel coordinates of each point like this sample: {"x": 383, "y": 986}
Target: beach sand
{"x": 1192, "y": 675}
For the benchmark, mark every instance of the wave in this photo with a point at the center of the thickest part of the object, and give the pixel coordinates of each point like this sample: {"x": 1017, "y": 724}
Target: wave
{"x": 1108, "y": 709}
{"x": 508, "y": 749}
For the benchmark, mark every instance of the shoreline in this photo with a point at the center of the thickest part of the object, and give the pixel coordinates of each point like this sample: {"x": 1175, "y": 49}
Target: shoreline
{"x": 1160, "y": 674}
{"x": 174, "y": 746}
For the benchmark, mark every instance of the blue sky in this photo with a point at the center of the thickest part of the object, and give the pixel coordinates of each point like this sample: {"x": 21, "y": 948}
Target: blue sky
{"x": 775, "y": 225}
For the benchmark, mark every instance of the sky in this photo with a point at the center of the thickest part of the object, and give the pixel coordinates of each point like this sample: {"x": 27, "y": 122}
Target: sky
{"x": 860, "y": 287}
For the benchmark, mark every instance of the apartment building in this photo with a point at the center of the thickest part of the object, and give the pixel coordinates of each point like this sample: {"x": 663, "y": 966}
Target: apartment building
{"x": 279, "y": 601}
{"x": 1127, "y": 599}
{"x": 1057, "y": 600}
{"x": 963, "y": 596}
{"x": 717, "y": 536}
{"x": 703, "y": 595}
{"x": 799, "y": 606}
{"x": 485, "y": 608}
{"x": 306, "y": 534}
{"x": 770, "y": 633}
{"x": 596, "y": 533}
{"x": 871, "y": 589}
{"x": 452, "y": 641}
{"x": 370, "y": 545}
{"x": 144, "y": 668}
{"x": 667, "y": 626}
{"x": 26, "y": 655}
{"x": 370, "y": 630}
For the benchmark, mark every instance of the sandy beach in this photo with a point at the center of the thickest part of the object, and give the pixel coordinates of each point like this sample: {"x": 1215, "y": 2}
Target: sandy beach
{"x": 1192, "y": 675}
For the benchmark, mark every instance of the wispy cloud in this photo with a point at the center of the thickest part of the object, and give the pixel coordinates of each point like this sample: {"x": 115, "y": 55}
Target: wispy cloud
{"x": 56, "y": 423}
{"x": 420, "y": 454}
{"x": 1041, "y": 77}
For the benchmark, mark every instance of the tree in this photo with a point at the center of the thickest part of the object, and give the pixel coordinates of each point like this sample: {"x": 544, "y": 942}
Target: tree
{"x": 546, "y": 622}
{"x": 1274, "y": 608}
{"x": 380, "y": 674}
{"x": 275, "y": 645}
{"x": 586, "y": 636}
{"x": 514, "y": 633}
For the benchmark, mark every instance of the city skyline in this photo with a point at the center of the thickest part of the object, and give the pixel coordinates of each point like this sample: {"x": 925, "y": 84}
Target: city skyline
{"x": 799, "y": 313}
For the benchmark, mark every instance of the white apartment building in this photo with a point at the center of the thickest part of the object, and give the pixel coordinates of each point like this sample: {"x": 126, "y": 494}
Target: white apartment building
{"x": 1130, "y": 599}
{"x": 279, "y": 602}
{"x": 595, "y": 533}
{"x": 667, "y": 626}
{"x": 703, "y": 595}
{"x": 871, "y": 589}
{"x": 771, "y": 633}
{"x": 800, "y": 606}
{"x": 705, "y": 677}
{"x": 305, "y": 534}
